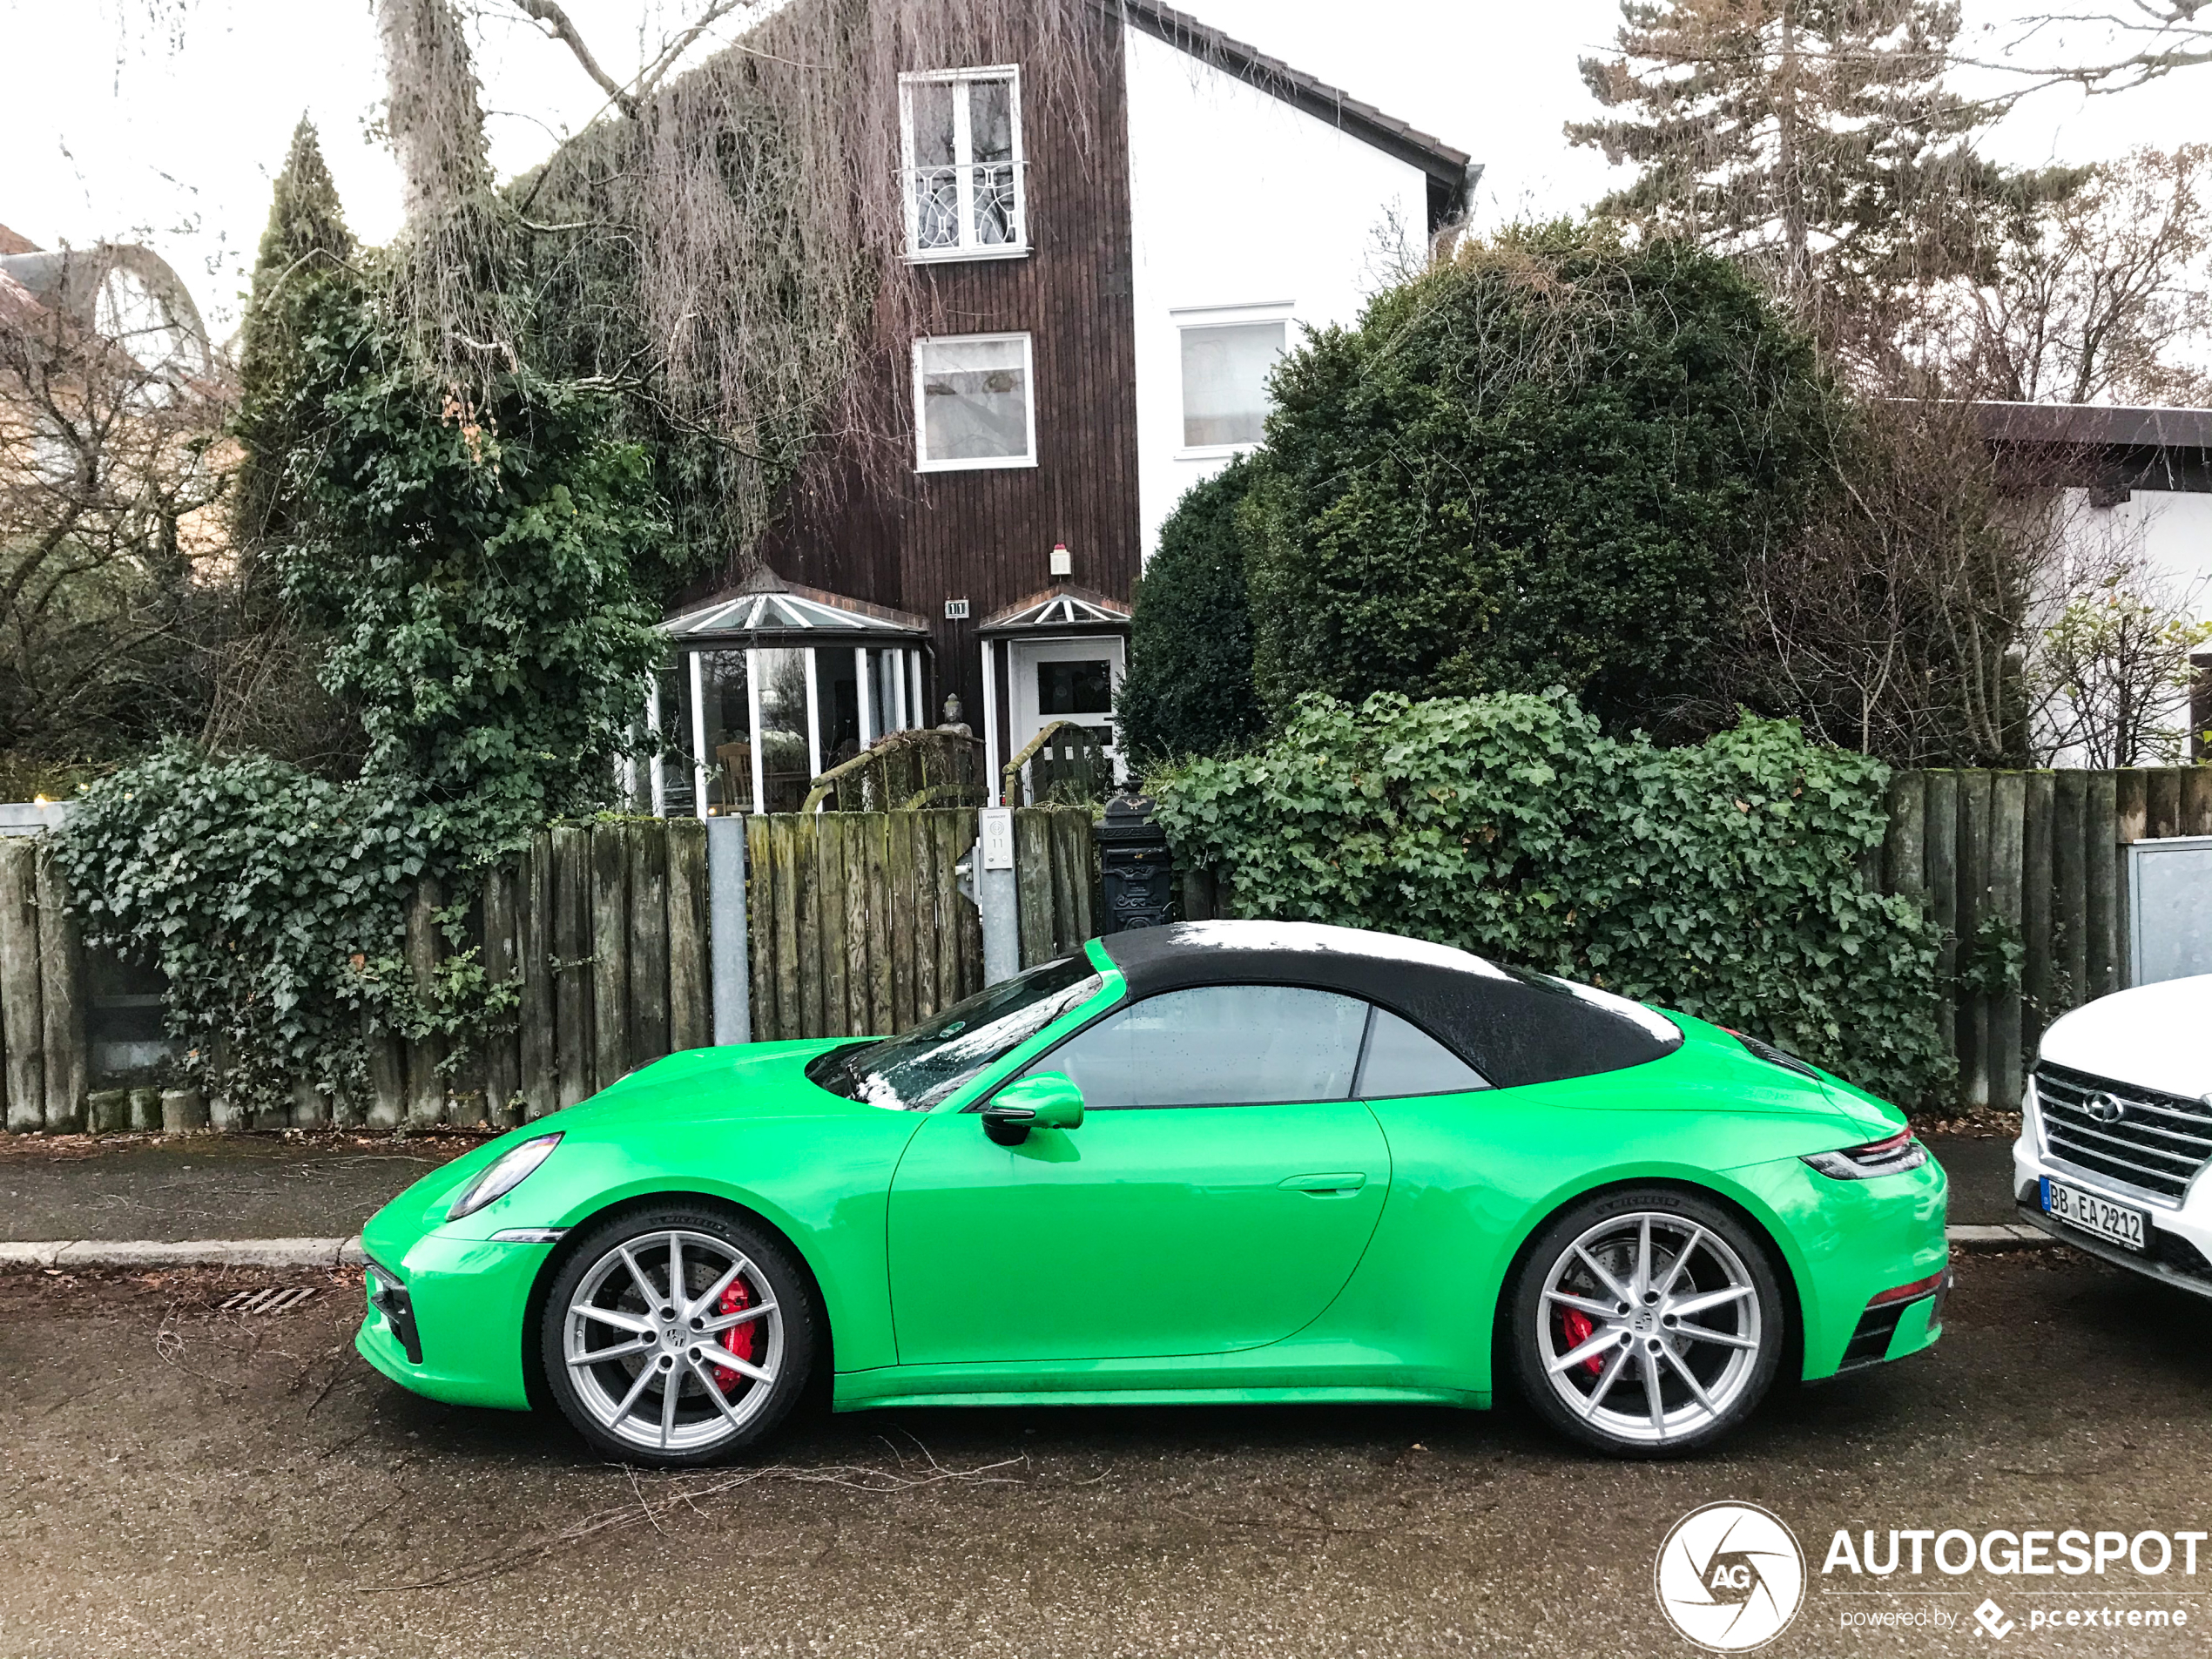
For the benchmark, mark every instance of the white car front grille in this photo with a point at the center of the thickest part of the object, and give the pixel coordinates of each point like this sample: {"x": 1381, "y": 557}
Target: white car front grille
{"x": 2138, "y": 1138}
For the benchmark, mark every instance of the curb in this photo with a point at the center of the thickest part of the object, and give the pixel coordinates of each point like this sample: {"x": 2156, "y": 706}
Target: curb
{"x": 347, "y": 1253}
{"x": 2011, "y": 1236}
{"x": 184, "y": 1252}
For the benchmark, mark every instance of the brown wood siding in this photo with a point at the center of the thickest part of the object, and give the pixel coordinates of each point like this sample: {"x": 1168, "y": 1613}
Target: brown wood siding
{"x": 987, "y": 536}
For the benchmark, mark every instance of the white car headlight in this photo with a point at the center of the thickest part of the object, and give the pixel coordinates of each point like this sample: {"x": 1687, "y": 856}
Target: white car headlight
{"x": 501, "y": 1175}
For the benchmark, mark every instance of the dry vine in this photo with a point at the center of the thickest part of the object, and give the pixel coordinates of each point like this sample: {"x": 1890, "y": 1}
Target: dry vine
{"x": 645, "y": 1511}
{"x": 726, "y": 245}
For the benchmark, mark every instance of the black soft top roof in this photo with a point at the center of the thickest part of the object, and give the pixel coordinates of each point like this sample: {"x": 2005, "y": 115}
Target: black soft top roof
{"x": 1513, "y": 1027}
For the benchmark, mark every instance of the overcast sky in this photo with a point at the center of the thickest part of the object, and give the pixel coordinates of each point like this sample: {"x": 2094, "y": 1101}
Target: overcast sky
{"x": 163, "y": 120}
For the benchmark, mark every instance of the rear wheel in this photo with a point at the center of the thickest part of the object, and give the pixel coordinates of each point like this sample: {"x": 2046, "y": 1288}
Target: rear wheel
{"x": 1647, "y": 1322}
{"x": 677, "y": 1335}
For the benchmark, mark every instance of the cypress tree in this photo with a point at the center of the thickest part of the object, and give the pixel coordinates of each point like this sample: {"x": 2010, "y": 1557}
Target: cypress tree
{"x": 1190, "y": 686}
{"x": 305, "y": 243}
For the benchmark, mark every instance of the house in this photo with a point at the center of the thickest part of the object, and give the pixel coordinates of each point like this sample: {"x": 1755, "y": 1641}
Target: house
{"x": 2134, "y": 483}
{"x": 1115, "y": 274}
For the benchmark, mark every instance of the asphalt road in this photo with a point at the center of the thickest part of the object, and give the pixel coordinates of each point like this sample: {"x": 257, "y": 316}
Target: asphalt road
{"x": 266, "y": 1186}
{"x": 176, "y": 1479}
{"x": 207, "y": 1186}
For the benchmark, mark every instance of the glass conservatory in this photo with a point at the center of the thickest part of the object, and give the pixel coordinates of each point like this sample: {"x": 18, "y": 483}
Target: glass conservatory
{"x": 771, "y": 684}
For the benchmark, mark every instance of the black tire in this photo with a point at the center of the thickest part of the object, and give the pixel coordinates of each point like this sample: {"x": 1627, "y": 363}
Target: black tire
{"x": 1729, "y": 1342}
{"x": 779, "y": 1351}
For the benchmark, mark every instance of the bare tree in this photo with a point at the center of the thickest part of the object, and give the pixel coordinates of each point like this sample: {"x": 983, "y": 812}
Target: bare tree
{"x": 2109, "y": 641}
{"x": 110, "y": 465}
{"x": 1894, "y": 623}
{"x": 2149, "y": 40}
{"x": 2105, "y": 296}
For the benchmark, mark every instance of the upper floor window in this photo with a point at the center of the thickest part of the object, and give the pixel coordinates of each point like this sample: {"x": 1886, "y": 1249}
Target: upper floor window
{"x": 975, "y": 403}
{"x": 1226, "y": 359}
{"x": 961, "y": 140}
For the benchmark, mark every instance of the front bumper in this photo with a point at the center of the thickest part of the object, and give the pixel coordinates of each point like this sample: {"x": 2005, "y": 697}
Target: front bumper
{"x": 2179, "y": 1235}
{"x": 467, "y": 1302}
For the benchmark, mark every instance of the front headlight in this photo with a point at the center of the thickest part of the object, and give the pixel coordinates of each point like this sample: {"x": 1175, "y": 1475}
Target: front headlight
{"x": 501, "y": 1175}
{"x": 1892, "y": 1154}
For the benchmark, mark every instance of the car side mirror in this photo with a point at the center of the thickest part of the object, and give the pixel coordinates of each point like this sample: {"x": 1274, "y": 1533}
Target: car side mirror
{"x": 1049, "y": 1100}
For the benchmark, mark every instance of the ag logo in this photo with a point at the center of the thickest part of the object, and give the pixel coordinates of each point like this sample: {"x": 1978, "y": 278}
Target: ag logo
{"x": 1730, "y": 1577}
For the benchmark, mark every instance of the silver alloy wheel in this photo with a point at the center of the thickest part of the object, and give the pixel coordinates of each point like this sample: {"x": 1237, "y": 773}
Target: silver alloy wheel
{"x": 643, "y": 1338}
{"x": 1649, "y": 1328}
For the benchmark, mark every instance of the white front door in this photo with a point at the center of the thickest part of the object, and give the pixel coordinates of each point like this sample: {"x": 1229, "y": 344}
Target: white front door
{"x": 1065, "y": 679}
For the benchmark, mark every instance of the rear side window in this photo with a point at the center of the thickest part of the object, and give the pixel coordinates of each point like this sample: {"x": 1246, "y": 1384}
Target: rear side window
{"x": 1217, "y": 1045}
{"x": 1402, "y": 1059}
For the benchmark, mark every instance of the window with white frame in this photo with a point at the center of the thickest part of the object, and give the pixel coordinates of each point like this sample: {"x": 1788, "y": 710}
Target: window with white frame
{"x": 961, "y": 139}
{"x": 975, "y": 403}
{"x": 1225, "y": 366}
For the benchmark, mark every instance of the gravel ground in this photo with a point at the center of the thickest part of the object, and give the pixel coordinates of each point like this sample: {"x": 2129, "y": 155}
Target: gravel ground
{"x": 179, "y": 1480}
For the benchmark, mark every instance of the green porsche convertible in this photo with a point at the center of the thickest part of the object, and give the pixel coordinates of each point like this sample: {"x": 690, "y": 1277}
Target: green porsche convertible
{"x": 1213, "y": 1161}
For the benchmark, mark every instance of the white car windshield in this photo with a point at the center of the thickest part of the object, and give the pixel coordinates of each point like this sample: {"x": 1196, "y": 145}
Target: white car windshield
{"x": 914, "y": 1072}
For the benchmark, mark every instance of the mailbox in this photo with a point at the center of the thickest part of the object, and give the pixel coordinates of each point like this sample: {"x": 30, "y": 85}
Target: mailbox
{"x": 1135, "y": 870}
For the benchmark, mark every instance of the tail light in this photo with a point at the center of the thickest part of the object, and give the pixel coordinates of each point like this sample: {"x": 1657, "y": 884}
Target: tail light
{"x": 1893, "y": 1154}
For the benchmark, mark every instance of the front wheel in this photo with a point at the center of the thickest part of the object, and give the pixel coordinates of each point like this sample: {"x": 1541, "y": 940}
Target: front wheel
{"x": 1646, "y": 1323}
{"x": 677, "y": 1335}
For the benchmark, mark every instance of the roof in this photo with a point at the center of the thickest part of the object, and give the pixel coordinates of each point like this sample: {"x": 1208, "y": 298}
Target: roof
{"x": 1512, "y": 1027}
{"x": 2094, "y": 423}
{"x": 1065, "y": 609}
{"x": 764, "y": 609}
{"x": 1451, "y": 173}
{"x": 2102, "y": 447}
{"x": 13, "y": 241}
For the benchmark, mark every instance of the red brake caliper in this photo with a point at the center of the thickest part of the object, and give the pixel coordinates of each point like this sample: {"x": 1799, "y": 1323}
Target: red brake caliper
{"x": 1578, "y": 1328}
{"x": 738, "y": 1338}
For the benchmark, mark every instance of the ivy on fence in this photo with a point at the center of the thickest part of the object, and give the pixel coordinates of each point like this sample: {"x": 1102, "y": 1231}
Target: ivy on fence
{"x": 1721, "y": 878}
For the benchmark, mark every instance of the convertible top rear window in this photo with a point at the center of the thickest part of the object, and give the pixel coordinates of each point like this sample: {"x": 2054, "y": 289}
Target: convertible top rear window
{"x": 914, "y": 1072}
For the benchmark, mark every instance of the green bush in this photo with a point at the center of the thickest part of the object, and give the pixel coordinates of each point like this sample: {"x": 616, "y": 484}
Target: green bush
{"x": 1543, "y": 464}
{"x": 1721, "y": 879}
{"x": 1190, "y": 686}
{"x": 470, "y": 557}
{"x": 273, "y": 900}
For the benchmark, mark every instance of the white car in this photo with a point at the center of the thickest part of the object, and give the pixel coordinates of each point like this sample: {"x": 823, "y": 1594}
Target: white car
{"x": 2116, "y": 1126}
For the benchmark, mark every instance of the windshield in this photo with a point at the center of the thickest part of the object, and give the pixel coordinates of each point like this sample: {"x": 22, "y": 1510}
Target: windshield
{"x": 914, "y": 1072}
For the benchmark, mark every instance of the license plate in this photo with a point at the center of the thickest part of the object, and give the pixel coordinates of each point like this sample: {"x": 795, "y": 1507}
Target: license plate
{"x": 2092, "y": 1214}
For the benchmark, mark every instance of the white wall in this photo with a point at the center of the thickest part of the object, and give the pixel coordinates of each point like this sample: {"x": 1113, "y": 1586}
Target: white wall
{"x": 1237, "y": 199}
{"x": 2170, "y": 531}
{"x": 2168, "y": 536}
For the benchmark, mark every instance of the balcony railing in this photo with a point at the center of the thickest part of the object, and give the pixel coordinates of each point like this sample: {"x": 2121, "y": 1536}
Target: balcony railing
{"x": 955, "y": 211}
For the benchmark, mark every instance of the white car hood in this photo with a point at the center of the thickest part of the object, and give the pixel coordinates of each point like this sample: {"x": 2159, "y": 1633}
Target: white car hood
{"x": 2155, "y": 1036}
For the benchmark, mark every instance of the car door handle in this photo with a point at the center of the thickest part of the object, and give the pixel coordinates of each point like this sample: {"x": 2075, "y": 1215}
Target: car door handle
{"x": 1323, "y": 1186}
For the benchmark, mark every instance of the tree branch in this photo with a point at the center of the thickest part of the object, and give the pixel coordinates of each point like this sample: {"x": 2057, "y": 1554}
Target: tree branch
{"x": 557, "y": 26}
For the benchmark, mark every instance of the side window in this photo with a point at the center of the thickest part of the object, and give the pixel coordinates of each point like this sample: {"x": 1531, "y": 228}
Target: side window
{"x": 1217, "y": 1045}
{"x": 1402, "y": 1059}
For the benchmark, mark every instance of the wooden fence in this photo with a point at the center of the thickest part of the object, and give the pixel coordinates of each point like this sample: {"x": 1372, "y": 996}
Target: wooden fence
{"x": 856, "y": 923}
{"x": 2036, "y": 862}
{"x": 865, "y": 922}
